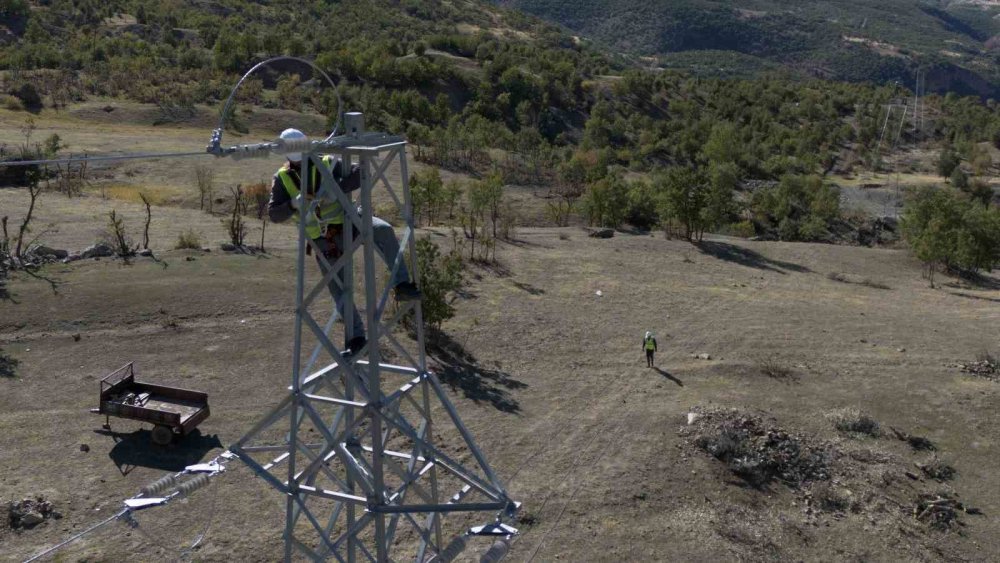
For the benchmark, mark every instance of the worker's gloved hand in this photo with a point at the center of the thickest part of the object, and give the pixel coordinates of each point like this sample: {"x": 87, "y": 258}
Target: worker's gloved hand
{"x": 296, "y": 202}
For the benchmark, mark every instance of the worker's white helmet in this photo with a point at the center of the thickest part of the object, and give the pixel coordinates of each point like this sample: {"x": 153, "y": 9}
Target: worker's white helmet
{"x": 293, "y": 135}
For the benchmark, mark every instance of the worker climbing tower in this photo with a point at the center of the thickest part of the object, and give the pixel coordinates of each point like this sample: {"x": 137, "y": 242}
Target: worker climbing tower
{"x": 355, "y": 446}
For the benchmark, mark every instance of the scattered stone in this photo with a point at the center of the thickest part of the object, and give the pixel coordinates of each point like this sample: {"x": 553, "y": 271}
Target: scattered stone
{"x": 145, "y": 252}
{"x": 72, "y": 258}
{"x": 702, "y": 356}
{"x": 901, "y": 350}
{"x": 84, "y": 448}
{"x": 97, "y": 251}
{"x": 987, "y": 367}
{"x": 602, "y": 233}
{"x": 692, "y": 417}
{"x": 228, "y": 247}
{"x": 206, "y": 249}
{"x": 189, "y": 258}
{"x": 76, "y": 337}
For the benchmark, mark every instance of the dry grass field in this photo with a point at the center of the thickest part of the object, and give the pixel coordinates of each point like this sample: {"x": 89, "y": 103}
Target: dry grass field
{"x": 554, "y": 387}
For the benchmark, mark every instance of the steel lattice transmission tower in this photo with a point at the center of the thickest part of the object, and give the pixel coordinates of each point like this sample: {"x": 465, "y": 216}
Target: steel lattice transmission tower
{"x": 352, "y": 446}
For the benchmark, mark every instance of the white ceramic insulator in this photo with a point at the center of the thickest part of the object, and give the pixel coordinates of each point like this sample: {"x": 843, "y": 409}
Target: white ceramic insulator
{"x": 193, "y": 485}
{"x": 262, "y": 150}
{"x": 496, "y": 552}
{"x": 448, "y": 554}
{"x": 293, "y": 145}
{"x": 159, "y": 485}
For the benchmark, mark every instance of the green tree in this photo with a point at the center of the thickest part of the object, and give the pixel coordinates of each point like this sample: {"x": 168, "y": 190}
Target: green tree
{"x": 440, "y": 277}
{"x": 606, "y": 202}
{"x": 959, "y": 180}
{"x": 948, "y": 161}
{"x": 684, "y": 198}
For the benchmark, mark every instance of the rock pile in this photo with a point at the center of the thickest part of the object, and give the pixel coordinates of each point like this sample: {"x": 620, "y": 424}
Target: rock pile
{"x": 29, "y": 513}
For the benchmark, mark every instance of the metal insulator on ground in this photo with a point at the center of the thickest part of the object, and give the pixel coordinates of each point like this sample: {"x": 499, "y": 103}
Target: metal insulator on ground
{"x": 159, "y": 485}
{"x": 193, "y": 485}
{"x": 497, "y": 551}
{"x": 448, "y": 554}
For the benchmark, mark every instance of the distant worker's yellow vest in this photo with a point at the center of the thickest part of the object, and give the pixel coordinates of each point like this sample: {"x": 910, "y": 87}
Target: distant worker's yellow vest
{"x": 330, "y": 213}
{"x": 649, "y": 344}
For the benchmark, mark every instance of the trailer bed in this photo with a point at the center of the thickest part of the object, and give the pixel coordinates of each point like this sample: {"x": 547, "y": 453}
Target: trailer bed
{"x": 172, "y": 410}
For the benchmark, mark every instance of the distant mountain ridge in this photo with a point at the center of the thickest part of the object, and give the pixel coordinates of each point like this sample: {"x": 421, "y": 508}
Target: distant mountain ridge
{"x": 957, "y": 42}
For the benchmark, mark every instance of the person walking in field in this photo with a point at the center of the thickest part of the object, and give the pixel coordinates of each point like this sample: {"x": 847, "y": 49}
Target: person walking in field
{"x": 327, "y": 227}
{"x": 649, "y": 345}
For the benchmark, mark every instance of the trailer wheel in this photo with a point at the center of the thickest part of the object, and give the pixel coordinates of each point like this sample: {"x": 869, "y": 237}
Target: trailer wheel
{"x": 162, "y": 435}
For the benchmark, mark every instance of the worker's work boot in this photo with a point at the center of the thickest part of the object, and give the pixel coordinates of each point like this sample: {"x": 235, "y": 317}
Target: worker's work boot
{"x": 356, "y": 344}
{"x": 407, "y": 291}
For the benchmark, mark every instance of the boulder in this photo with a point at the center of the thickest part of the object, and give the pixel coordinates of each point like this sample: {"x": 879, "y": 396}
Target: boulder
{"x": 145, "y": 252}
{"x": 96, "y": 251}
{"x": 71, "y": 258}
{"x": 703, "y": 356}
{"x": 32, "y": 518}
{"x": 228, "y": 247}
{"x": 48, "y": 252}
{"x": 602, "y": 233}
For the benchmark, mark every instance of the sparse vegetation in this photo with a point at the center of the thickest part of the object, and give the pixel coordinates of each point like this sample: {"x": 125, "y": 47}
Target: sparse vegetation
{"x": 772, "y": 366}
{"x": 188, "y": 239}
{"x": 8, "y": 365}
{"x": 117, "y": 236}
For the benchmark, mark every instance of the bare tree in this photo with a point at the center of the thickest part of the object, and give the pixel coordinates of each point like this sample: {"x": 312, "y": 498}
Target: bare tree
{"x": 235, "y": 224}
{"x": 149, "y": 217}
{"x": 204, "y": 178}
{"x": 259, "y": 194}
{"x": 5, "y": 241}
{"x": 34, "y": 189}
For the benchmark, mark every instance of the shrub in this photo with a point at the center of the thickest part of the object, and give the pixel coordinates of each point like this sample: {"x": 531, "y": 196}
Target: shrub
{"x": 744, "y": 229}
{"x": 117, "y": 236}
{"x": 29, "y": 96}
{"x": 188, "y": 239}
{"x": 8, "y": 365}
{"x": 853, "y": 421}
{"x": 11, "y": 103}
{"x": 938, "y": 470}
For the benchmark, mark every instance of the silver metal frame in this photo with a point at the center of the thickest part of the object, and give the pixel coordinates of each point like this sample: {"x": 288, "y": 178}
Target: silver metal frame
{"x": 346, "y": 492}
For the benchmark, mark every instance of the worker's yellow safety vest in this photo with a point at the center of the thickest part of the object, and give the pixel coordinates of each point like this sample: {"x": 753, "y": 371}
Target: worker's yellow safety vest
{"x": 649, "y": 344}
{"x": 330, "y": 213}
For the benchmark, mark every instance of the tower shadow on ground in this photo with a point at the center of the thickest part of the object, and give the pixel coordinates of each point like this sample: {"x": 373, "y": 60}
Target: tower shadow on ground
{"x": 747, "y": 257}
{"x": 460, "y": 370}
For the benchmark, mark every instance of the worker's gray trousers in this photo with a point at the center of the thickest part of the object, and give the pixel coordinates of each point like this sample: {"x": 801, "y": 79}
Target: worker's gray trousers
{"x": 388, "y": 249}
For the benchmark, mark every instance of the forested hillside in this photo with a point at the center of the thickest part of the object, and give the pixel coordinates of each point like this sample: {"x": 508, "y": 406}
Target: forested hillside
{"x": 854, "y": 40}
{"x": 493, "y": 93}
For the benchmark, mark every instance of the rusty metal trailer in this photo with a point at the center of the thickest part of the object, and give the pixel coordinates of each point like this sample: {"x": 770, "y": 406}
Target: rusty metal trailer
{"x": 171, "y": 410}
